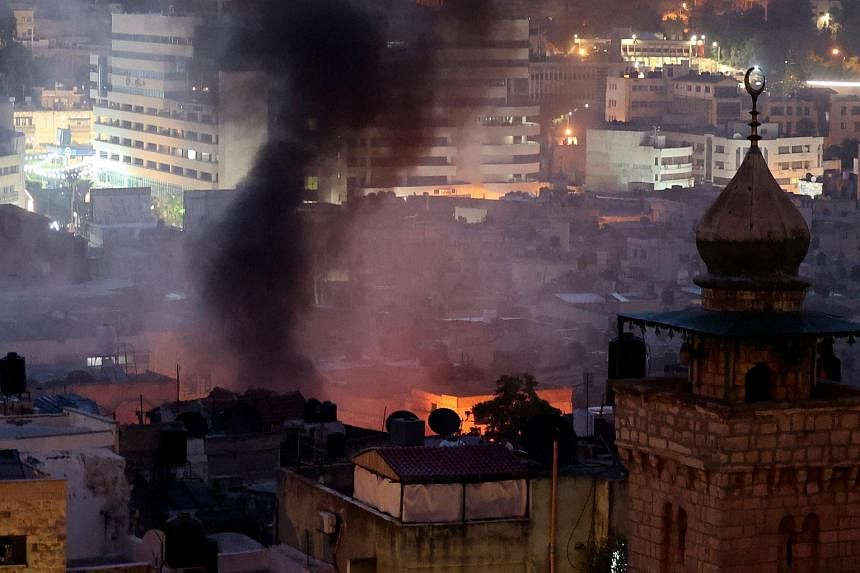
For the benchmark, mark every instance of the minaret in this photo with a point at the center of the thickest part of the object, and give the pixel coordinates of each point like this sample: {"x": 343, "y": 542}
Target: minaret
{"x": 751, "y": 462}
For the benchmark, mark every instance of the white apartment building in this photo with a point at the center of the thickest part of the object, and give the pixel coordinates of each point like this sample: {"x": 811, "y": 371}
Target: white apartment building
{"x": 484, "y": 137}
{"x": 651, "y": 51}
{"x": 717, "y": 158}
{"x": 618, "y": 161}
{"x": 159, "y": 125}
{"x": 12, "y": 189}
{"x": 636, "y": 97}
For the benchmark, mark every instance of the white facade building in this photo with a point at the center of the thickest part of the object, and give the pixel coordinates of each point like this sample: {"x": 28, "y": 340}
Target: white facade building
{"x": 159, "y": 125}
{"x": 717, "y": 158}
{"x": 621, "y": 160}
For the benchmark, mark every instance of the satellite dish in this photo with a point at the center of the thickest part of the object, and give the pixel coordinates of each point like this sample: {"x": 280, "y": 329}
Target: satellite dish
{"x": 444, "y": 422}
{"x": 398, "y": 415}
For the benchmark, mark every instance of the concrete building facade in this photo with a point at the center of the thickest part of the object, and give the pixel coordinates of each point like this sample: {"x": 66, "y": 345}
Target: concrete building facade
{"x": 626, "y": 160}
{"x": 717, "y": 158}
{"x": 635, "y": 97}
{"x": 12, "y": 189}
{"x": 484, "y": 139}
{"x": 564, "y": 83}
{"x": 158, "y": 124}
{"x": 376, "y": 536}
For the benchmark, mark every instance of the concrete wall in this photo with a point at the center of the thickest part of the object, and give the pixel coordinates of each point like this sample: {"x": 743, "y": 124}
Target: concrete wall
{"x": 475, "y": 547}
{"x": 583, "y": 517}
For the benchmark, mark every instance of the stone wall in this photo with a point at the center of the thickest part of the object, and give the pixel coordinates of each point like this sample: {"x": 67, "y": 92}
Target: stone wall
{"x": 752, "y": 300}
{"x": 36, "y": 508}
{"x": 720, "y": 367}
{"x": 712, "y": 484}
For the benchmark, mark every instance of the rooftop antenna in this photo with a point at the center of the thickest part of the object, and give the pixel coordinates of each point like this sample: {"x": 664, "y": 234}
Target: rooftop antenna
{"x": 754, "y": 81}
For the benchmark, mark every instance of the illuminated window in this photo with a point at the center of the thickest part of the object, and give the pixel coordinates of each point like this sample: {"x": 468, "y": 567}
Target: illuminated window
{"x": 312, "y": 183}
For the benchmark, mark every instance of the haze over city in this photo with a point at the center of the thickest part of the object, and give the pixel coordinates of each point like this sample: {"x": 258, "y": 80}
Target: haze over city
{"x": 429, "y": 285}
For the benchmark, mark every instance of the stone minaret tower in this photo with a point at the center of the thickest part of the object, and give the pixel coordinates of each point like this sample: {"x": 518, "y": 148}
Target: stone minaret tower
{"x": 751, "y": 463}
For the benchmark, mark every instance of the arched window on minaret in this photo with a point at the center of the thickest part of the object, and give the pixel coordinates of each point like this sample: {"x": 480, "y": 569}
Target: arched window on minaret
{"x": 786, "y": 548}
{"x": 806, "y": 558}
{"x": 668, "y": 530}
{"x": 681, "y": 526}
{"x": 757, "y": 387}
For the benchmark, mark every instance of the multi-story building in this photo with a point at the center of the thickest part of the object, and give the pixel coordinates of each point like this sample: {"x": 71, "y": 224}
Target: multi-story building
{"x": 24, "y": 25}
{"x": 560, "y": 84}
{"x": 634, "y": 96}
{"x": 717, "y": 157}
{"x": 483, "y": 138}
{"x": 163, "y": 120}
{"x": 12, "y": 189}
{"x": 673, "y": 95}
{"x": 652, "y": 51}
{"x": 844, "y": 118}
{"x": 627, "y": 160}
{"x": 44, "y": 127}
{"x": 802, "y": 113}
{"x": 712, "y": 98}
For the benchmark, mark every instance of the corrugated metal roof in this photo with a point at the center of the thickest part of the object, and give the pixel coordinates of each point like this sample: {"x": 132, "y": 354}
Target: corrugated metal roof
{"x": 581, "y": 297}
{"x": 54, "y": 403}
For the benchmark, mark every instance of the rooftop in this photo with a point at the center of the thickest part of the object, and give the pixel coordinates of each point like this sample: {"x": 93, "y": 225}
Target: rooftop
{"x": 442, "y": 465}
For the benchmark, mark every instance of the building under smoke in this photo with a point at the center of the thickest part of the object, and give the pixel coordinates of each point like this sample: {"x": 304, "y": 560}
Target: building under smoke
{"x": 478, "y": 133}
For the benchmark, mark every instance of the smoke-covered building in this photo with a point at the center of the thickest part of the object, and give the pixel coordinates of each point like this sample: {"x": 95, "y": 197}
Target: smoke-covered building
{"x": 476, "y": 136}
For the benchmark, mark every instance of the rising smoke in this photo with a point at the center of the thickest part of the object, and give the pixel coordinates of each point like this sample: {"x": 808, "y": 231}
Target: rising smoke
{"x": 334, "y": 66}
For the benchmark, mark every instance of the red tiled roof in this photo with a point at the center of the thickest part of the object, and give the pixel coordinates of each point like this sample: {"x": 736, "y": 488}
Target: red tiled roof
{"x": 452, "y": 464}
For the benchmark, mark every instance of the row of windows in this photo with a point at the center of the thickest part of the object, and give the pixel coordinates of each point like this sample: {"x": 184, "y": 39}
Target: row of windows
{"x": 785, "y": 149}
{"x": 689, "y": 88}
{"x": 187, "y": 112}
{"x": 8, "y": 190}
{"x": 162, "y": 167}
{"x": 786, "y": 165}
{"x": 165, "y": 131}
{"x": 9, "y": 170}
{"x": 147, "y": 74}
{"x": 191, "y": 154}
{"x": 780, "y": 110}
{"x": 152, "y": 39}
{"x": 131, "y": 90}
{"x": 646, "y": 50}
{"x": 147, "y": 56}
{"x": 647, "y": 104}
{"x": 562, "y": 75}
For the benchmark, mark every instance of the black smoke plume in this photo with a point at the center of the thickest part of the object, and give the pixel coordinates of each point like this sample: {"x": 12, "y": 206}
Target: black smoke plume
{"x": 334, "y": 66}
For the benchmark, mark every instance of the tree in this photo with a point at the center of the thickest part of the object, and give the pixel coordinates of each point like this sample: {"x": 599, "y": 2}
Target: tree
{"x": 515, "y": 402}
{"x": 16, "y": 62}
